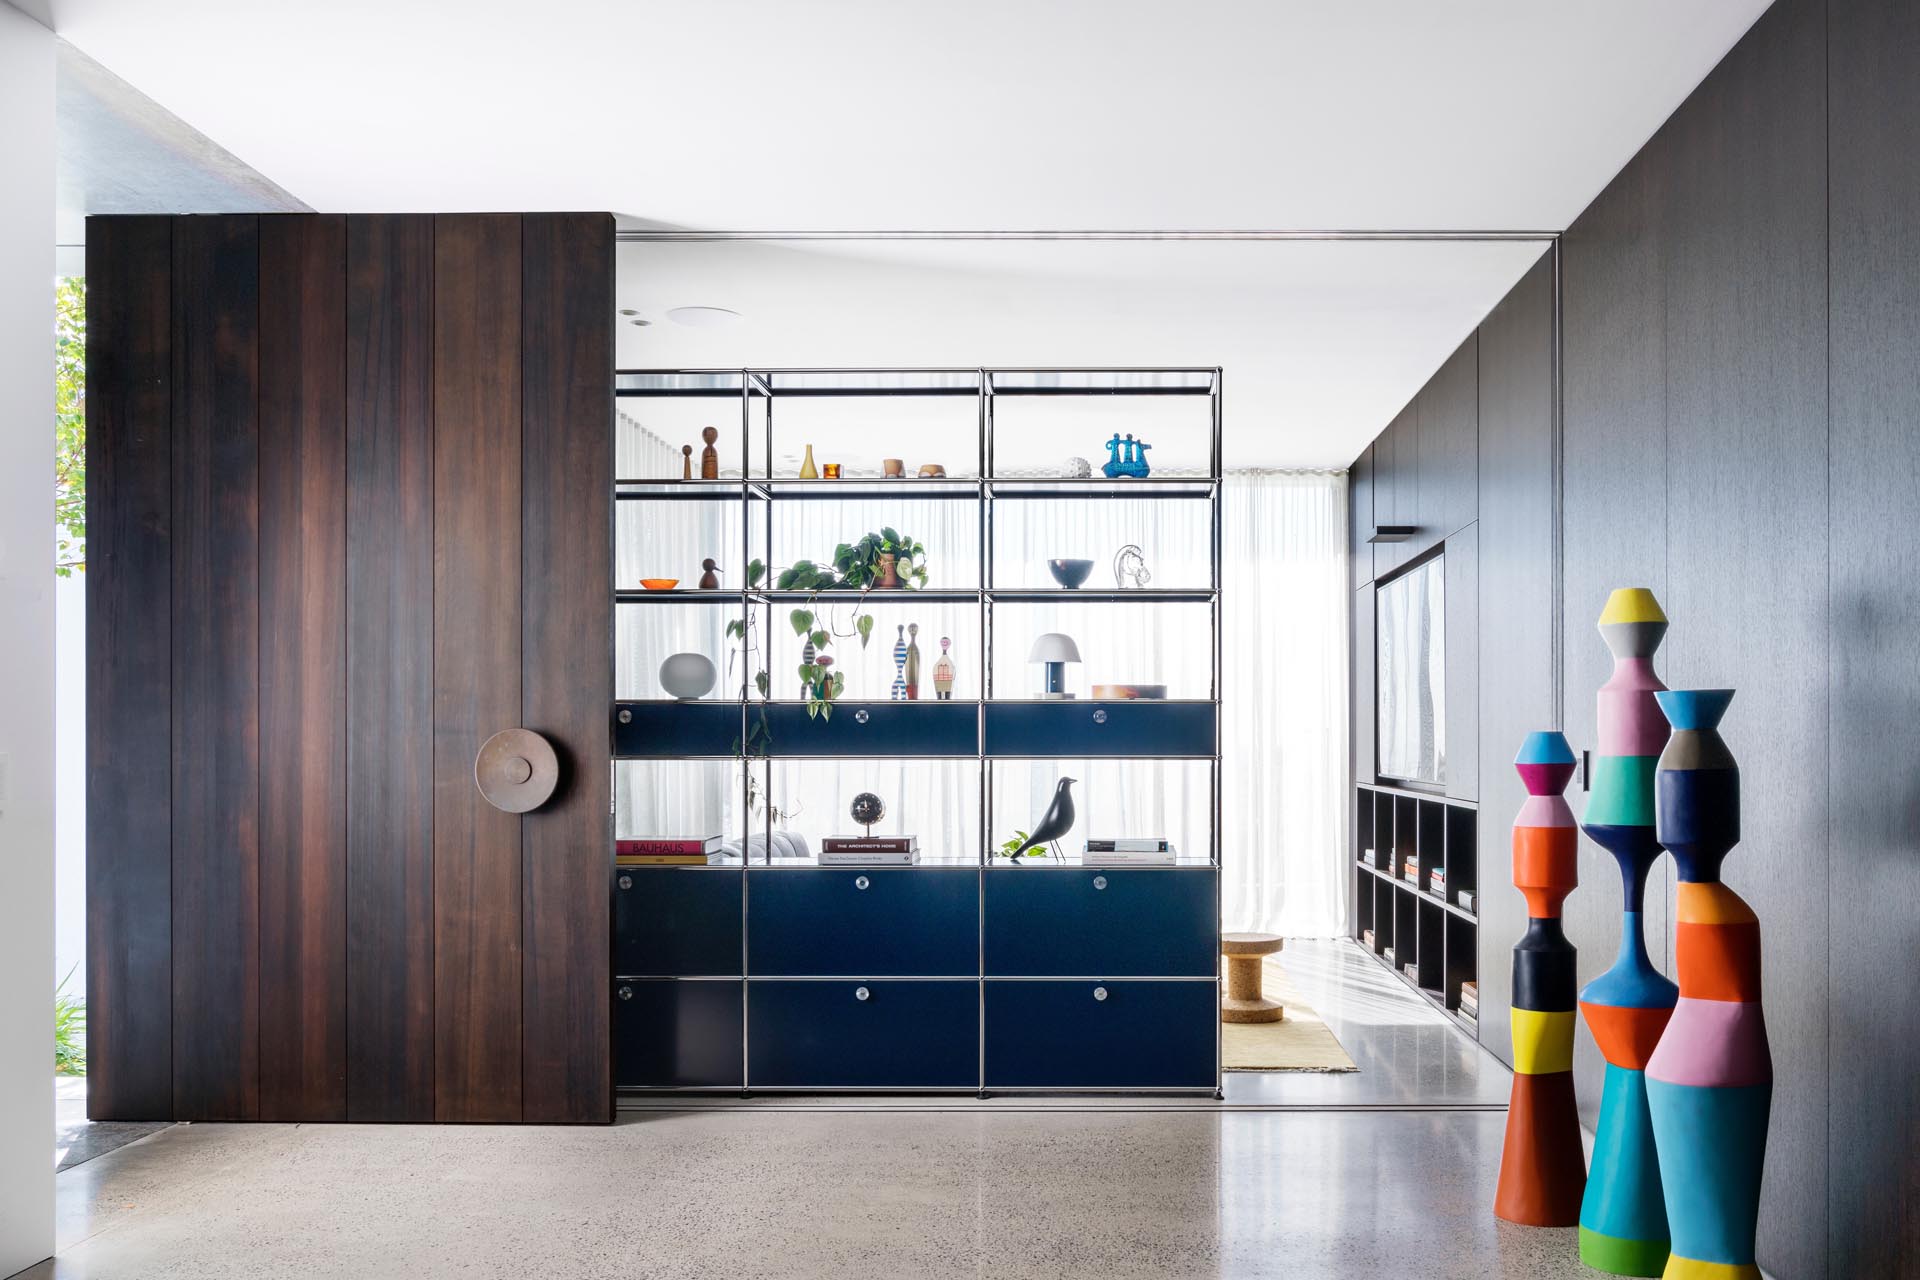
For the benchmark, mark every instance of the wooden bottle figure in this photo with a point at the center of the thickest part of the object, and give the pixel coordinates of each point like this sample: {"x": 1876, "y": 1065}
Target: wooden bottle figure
{"x": 913, "y": 662}
{"x": 943, "y": 674}
{"x": 1543, "y": 1167}
{"x": 709, "y": 456}
{"x": 710, "y": 580}
{"x": 899, "y": 690}
{"x": 808, "y": 657}
{"x": 686, "y": 462}
{"x": 1623, "y": 1218}
{"x": 1710, "y": 1080}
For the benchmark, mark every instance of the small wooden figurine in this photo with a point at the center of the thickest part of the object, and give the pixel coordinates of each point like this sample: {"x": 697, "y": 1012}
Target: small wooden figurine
{"x": 686, "y": 462}
{"x": 913, "y": 662}
{"x": 943, "y": 673}
{"x": 709, "y": 456}
{"x": 710, "y": 580}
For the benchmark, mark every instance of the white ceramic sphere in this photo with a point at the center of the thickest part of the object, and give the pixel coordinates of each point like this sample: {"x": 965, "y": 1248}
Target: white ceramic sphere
{"x": 687, "y": 675}
{"x": 1077, "y": 469}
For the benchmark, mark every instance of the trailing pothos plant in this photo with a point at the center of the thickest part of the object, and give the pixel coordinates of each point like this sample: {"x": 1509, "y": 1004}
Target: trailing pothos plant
{"x": 856, "y": 566}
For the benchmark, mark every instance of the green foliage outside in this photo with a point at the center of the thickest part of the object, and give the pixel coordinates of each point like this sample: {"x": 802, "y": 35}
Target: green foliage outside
{"x": 70, "y": 426}
{"x": 69, "y": 1031}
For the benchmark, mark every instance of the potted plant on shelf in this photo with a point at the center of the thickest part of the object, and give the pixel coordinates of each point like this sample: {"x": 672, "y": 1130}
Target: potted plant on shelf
{"x": 882, "y": 561}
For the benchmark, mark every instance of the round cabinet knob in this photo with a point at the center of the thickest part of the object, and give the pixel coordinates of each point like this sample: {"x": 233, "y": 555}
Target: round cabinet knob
{"x": 626, "y": 716}
{"x": 626, "y": 993}
{"x": 861, "y": 993}
{"x": 862, "y": 716}
{"x": 1099, "y": 993}
{"x": 861, "y": 882}
{"x": 1100, "y": 716}
{"x": 626, "y": 882}
{"x": 1099, "y": 882}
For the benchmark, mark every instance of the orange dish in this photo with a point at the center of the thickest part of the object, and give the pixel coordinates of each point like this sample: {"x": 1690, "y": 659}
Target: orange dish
{"x": 659, "y": 584}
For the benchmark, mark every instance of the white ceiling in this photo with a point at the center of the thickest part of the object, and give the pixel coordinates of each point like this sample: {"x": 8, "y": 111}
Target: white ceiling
{"x": 1005, "y": 115}
{"x": 1321, "y": 343}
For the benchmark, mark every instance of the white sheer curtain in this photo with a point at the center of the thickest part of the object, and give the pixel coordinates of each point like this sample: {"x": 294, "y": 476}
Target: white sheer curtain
{"x": 1284, "y": 684}
{"x": 1283, "y": 678}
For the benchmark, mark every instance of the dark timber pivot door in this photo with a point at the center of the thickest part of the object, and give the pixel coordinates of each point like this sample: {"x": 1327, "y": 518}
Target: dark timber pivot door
{"x": 349, "y": 512}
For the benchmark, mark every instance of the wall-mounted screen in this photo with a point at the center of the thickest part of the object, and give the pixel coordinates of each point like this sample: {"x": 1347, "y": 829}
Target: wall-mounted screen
{"x": 1411, "y": 675}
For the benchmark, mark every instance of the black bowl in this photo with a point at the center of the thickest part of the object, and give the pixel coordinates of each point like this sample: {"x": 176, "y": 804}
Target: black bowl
{"x": 1070, "y": 573}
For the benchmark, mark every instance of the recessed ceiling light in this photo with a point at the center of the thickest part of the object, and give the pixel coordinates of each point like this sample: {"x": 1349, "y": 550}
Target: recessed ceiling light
{"x": 628, "y": 311}
{"x": 640, "y": 322}
{"x": 703, "y": 317}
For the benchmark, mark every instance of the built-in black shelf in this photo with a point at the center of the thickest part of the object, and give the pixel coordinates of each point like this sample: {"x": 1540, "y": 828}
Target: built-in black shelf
{"x": 1434, "y": 932}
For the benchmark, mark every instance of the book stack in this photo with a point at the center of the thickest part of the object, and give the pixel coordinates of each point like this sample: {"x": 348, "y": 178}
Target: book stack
{"x": 1129, "y": 851}
{"x": 1466, "y": 899}
{"x": 1386, "y": 953}
{"x": 1470, "y": 1002}
{"x": 1412, "y": 969}
{"x": 668, "y": 851}
{"x": 869, "y": 851}
{"x": 1437, "y": 881}
{"x": 1411, "y": 870}
{"x": 1366, "y": 939}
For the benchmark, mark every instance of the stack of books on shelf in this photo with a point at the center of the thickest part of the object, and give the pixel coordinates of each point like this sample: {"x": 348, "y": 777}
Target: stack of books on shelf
{"x": 1466, "y": 899}
{"x": 1437, "y": 881}
{"x": 869, "y": 851}
{"x": 1411, "y": 870}
{"x": 1386, "y": 953}
{"x": 1366, "y": 939}
{"x": 1412, "y": 969}
{"x": 670, "y": 851}
{"x": 1129, "y": 851}
{"x": 1470, "y": 1002}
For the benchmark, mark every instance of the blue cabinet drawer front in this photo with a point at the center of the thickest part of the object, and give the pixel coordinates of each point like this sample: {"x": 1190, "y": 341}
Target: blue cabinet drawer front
{"x": 1140, "y": 1035}
{"x": 671, "y": 920}
{"x": 918, "y": 922}
{"x": 677, "y": 1033}
{"x": 921, "y": 1035}
{"x": 672, "y": 730}
{"x": 921, "y": 728}
{"x": 1042, "y": 921}
{"x": 1075, "y": 729}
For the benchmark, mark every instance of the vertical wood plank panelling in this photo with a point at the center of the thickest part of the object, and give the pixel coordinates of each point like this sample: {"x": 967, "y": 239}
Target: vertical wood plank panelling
{"x": 1873, "y": 843}
{"x": 1365, "y": 762}
{"x": 215, "y": 688}
{"x": 1449, "y": 424}
{"x": 477, "y": 891}
{"x": 303, "y": 562}
{"x": 1515, "y": 541}
{"x": 389, "y": 620}
{"x": 566, "y": 682}
{"x": 129, "y": 669}
{"x": 1745, "y": 268}
{"x": 1360, "y": 516}
{"x": 1461, "y": 565}
{"x": 1614, "y": 513}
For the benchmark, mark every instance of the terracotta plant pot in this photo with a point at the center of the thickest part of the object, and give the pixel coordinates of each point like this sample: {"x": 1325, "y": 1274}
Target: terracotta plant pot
{"x": 889, "y": 579}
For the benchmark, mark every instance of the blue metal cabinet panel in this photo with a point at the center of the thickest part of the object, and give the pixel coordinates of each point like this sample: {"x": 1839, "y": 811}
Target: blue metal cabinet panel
{"x": 919, "y": 728}
{"x": 917, "y": 922}
{"x": 676, "y": 920}
{"x": 1043, "y": 921}
{"x": 677, "y": 1033}
{"x": 675, "y": 730}
{"x": 922, "y": 1035}
{"x": 1135, "y": 1035}
{"x": 1076, "y": 730}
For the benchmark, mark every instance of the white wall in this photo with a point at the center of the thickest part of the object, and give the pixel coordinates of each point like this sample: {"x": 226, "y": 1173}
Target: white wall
{"x": 26, "y": 641}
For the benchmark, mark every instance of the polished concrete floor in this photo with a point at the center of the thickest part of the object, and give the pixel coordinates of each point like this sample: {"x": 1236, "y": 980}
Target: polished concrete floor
{"x": 1388, "y": 1182}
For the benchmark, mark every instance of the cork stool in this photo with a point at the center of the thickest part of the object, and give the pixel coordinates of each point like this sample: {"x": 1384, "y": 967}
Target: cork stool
{"x": 1244, "y": 953}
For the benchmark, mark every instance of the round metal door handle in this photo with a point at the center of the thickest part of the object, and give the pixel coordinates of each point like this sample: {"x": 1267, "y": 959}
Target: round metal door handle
{"x": 1100, "y": 716}
{"x": 517, "y": 770}
{"x": 861, "y": 993}
{"x": 861, "y": 882}
{"x": 626, "y": 993}
{"x": 626, "y": 882}
{"x": 1099, "y": 882}
{"x": 626, "y": 716}
{"x": 1099, "y": 993}
{"x": 861, "y": 716}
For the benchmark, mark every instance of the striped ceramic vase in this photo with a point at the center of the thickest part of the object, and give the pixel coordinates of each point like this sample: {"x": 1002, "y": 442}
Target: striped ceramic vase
{"x": 1710, "y": 1081}
{"x": 1623, "y": 1219}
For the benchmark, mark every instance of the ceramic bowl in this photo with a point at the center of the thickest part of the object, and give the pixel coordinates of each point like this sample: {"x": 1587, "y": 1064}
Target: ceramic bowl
{"x": 1070, "y": 573}
{"x": 659, "y": 584}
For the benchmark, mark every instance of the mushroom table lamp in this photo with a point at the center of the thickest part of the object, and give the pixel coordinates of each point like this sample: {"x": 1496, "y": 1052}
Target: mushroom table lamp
{"x": 1056, "y": 650}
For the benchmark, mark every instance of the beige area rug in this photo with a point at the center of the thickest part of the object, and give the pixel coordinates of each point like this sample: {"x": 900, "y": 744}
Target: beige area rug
{"x": 1299, "y": 1043}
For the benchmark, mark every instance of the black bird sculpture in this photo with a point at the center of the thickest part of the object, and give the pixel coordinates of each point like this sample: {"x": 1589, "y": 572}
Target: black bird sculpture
{"x": 1057, "y": 821}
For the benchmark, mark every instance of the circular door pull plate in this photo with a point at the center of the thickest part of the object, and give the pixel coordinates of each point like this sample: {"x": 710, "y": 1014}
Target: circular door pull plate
{"x": 516, "y": 770}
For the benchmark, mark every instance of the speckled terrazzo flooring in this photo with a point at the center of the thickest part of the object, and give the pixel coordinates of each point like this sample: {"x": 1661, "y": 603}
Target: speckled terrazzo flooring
{"x": 1255, "y": 1186}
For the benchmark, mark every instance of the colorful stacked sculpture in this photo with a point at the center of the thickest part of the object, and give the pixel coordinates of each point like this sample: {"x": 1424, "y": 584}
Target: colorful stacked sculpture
{"x": 1710, "y": 1081}
{"x": 1623, "y": 1220}
{"x": 1542, "y": 1166}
